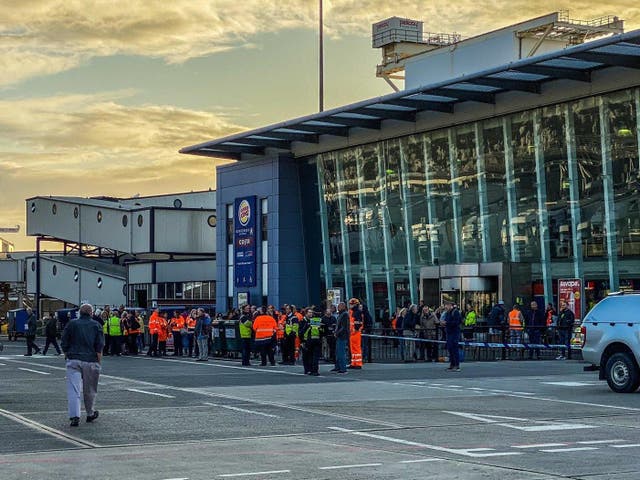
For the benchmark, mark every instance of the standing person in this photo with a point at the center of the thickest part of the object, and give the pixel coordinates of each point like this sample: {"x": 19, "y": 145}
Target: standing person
{"x": 291, "y": 330}
{"x": 566, "y": 319}
{"x": 535, "y": 323}
{"x": 398, "y": 330}
{"x": 82, "y": 343}
{"x": 105, "y": 315}
{"x": 452, "y": 323}
{"x": 153, "y": 334}
{"x": 191, "y": 329}
{"x": 497, "y": 318}
{"x": 163, "y": 334}
{"x": 177, "y": 325}
{"x": 342, "y": 333}
{"x": 408, "y": 331}
{"x": 51, "y": 333}
{"x": 246, "y": 330}
{"x": 311, "y": 335}
{"x": 115, "y": 333}
{"x": 428, "y": 331}
{"x": 516, "y": 324}
{"x": 32, "y": 327}
{"x": 329, "y": 326}
{"x": 202, "y": 332}
{"x": 265, "y": 328}
{"x": 11, "y": 329}
{"x": 470, "y": 320}
{"x": 355, "y": 339}
{"x": 133, "y": 325}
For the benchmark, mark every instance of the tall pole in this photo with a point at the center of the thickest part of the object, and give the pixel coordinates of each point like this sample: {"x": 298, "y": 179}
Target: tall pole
{"x": 321, "y": 62}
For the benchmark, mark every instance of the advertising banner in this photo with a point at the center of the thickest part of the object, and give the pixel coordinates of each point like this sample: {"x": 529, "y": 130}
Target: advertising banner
{"x": 244, "y": 241}
{"x": 334, "y": 296}
{"x": 570, "y": 290}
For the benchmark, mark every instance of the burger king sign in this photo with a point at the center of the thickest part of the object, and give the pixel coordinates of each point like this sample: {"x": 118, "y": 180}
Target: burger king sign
{"x": 244, "y": 242}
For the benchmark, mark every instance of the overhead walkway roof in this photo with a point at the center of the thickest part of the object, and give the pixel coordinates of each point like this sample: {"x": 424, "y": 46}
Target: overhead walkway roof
{"x": 528, "y": 75}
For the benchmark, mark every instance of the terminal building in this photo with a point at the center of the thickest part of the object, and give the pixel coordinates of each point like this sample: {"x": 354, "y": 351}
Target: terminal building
{"x": 508, "y": 161}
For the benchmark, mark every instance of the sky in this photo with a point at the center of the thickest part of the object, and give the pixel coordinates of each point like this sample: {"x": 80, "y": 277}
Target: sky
{"x": 98, "y": 96}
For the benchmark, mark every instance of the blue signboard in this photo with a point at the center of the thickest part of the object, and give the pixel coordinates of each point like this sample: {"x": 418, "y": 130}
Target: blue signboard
{"x": 244, "y": 241}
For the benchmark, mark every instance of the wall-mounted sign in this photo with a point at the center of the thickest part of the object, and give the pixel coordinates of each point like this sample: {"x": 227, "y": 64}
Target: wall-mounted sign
{"x": 334, "y": 296}
{"x": 244, "y": 242}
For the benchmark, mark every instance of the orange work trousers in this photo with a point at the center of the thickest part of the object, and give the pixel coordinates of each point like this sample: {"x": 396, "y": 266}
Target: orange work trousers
{"x": 355, "y": 345}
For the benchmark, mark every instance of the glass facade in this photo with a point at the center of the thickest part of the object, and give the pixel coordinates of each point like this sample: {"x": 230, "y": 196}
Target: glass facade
{"x": 551, "y": 193}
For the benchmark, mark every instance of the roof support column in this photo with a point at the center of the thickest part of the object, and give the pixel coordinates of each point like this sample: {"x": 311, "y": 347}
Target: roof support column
{"x": 609, "y": 199}
{"x": 346, "y": 248}
{"x": 366, "y": 262}
{"x": 324, "y": 226}
{"x": 388, "y": 264}
{"x": 511, "y": 188}
{"x": 407, "y": 216}
{"x": 431, "y": 207}
{"x": 636, "y": 95}
{"x": 543, "y": 218}
{"x": 483, "y": 202}
{"x": 574, "y": 193}
{"x": 455, "y": 194}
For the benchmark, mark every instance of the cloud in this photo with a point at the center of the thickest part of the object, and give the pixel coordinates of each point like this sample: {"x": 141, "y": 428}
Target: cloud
{"x": 40, "y": 37}
{"x": 85, "y": 145}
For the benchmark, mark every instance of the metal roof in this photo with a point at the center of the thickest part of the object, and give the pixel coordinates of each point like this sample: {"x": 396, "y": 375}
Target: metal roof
{"x": 527, "y": 75}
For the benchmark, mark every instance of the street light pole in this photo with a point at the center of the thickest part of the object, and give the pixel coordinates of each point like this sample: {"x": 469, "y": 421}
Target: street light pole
{"x": 321, "y": 61}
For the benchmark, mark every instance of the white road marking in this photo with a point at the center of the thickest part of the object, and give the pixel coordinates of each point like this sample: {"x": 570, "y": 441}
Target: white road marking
{"x": 271, "y": 472}
{"x": 34, "y": 371}
{"x": 523, "y": 393}
{"x": 596, "y": 442}
{"x": 543, "y": 426}
{"x": 3, "y": 364}
{"x": 78, "y": 442}
{"x": 567, "y": 450}
{"x": 571, "y": 384}
{"x": 150, "y": 393}
{"x": 233, "y": 367}
{"x": 477, "y": 389}
{"x": 540, "y": 445}
{"x": 421, "y": 460}
{"x": 238, "y": 409}
{"x": 362, "y": 465}
{"x": 183, "y": 478}
{"x": 500, "y": 391}
{"x": 456, "y": 451}
{"x": 632, "y": 445}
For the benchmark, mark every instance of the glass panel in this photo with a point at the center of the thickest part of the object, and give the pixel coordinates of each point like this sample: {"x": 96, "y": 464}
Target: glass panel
{"x": 467, "y": 186}
{"x": 416, "y": 189}
{"x": 526, "y": 234}
{"x": 161, "y": 291}
{"x": 393, "y": 208}
{"x": 170, "y": 290}
{"x": 370, "y": 209}
{"x": 440, "y": 187}
{"x": 589, "y": 156}
{"x": 626, "y": 172}
{"x": 493, "y": 145}
{"x": 346, "y": 161}
{"x": 328, "y": 166}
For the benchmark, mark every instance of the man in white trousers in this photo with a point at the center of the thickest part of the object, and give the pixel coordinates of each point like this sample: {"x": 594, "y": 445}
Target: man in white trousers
{"x": 82, "y": 344}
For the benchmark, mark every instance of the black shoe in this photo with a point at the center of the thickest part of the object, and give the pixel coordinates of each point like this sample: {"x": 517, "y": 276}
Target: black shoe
{"x": 75, "y": 421}
{"x": 333, "y": 370}
{"x": 28, "y": 355}
{"x": 316, "y": 374}
{"x": 91, "y": 418}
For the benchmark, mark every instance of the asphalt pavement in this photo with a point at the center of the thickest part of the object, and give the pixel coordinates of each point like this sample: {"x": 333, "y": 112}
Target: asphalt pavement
{"x": 174, "y": 418}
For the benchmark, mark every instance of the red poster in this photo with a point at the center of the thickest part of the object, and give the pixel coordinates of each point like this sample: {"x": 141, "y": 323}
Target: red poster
{"x": 570, "y": 290}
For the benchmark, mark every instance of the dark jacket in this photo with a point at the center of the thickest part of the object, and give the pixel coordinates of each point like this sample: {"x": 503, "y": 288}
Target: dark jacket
{"x": 203, "y": 326}
{"x": 329, "y": 324}
{"x": 410, "y": 320}
{"x": 535, "y": 319}
{"x": 566, "y": 319}
{"x": 82, "y": 339}
{"x": 51, "y": 328}
{"x": 454, "y": 320}
{"x": 497, "y": 316}
{"x": 32, "y": 325}
{"x": 342, "y": 326}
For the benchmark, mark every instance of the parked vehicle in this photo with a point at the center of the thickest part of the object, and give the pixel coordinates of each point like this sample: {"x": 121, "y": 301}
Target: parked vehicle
{"x": 610, "y": 339}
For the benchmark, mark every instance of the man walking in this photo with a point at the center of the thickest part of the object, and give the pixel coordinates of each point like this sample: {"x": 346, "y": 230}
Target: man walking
{"x": 82, "y": 344}
{"x": 566, "y": 319}
{"x": 51, "y": 332}
{"x": 535, "y": 323}
{"x": 32, "y": 326}
{"x": 202, "y": 331}
{"x": 342, "y": 338}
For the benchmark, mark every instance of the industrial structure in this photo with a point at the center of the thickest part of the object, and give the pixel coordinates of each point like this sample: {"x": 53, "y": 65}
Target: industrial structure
{"x": 508, "y": 162}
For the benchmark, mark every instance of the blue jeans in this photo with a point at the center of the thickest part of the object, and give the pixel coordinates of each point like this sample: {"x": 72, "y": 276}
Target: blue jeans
{"x": 341, "y": 355}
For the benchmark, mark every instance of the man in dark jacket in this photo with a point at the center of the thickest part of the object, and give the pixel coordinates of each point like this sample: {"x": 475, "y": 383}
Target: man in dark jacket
{"x": 329, "y": 326}
{"x": 342, "y": 333}
{"x": 566, "y": 319}
{"x": 82, "y": 343}
{"x": 51, "y": 332}
{"x": 497, "y": 320}
{"x": 452, "y": 327}
{"x": 32, "y": 326}
{"x": 535, "y": 323}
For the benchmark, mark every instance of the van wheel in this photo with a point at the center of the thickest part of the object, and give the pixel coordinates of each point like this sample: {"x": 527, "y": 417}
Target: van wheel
{"x": 622, "y": 373}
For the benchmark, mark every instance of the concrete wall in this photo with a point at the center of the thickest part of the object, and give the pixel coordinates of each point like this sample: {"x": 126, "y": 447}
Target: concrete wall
{"x": 11, "y": 271}
{"x": 187, "y": 271}
{"x": 184, "y": 231}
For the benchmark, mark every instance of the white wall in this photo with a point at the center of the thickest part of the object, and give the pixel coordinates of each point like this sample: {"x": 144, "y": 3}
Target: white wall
{"x": 11, "y": 271}
{"x": 204, "y": 270}
{"x": 182, "y": 231}
{"x": 43, "y": 221}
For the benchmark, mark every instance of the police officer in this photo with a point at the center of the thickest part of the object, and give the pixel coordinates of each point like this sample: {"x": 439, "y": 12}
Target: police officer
{"x": 311, "y": 339}
{"x": 291, "y": 330}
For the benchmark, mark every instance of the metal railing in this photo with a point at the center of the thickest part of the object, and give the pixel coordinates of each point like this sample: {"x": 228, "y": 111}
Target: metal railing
{"x": 604, "y": 21}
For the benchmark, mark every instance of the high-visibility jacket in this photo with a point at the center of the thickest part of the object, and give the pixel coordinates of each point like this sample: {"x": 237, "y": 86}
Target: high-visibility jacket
{"x": 133, "y": 330}
{"x": 291, "y": 325}
{"x": 163, "y": 332}
{"x": 191, "y": 325}
{"x": 355, "y": 341}
{"x": 245, "y": 326}
{"x": 264, "y": 326}
{"x": 313, "y": 329}
{"x": 177, "y": 323}
{"x": 516, "y": 321}
{"x": 114, "y": 326}
{"x": 282, "y": 319}
{"x": 153, "y": 323}
{"x": 470, "y": 319}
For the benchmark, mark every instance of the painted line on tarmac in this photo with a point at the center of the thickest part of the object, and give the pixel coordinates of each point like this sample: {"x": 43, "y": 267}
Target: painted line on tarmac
{"x": 540, "y": 445}
{"x": 597, "y": 442}
{"x": 242, "y": 399}
{"x": 247, "y": 474}
{"x": 34, "y": 371}
{"x": 238, "y": 409}
{"x": 633, "y": 445}
{"x": 78, "y": 442}
{"x": 568, "y": 450}
{"x": 3, "y": 364}
{"x": 360, "y": 465}
{"x": 150, "y": 393}
{"x": 455, "y": 451}
{"x": 422, "y": 460}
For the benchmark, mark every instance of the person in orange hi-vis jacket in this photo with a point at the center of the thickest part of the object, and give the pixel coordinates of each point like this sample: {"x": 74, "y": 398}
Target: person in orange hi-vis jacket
{"x": 265, "y": 328}
{"x": 153, "y": 333}
{"x": 177, "y": 326}
{"x": 355, "y": 339}
{"x": 163, "y": 334}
